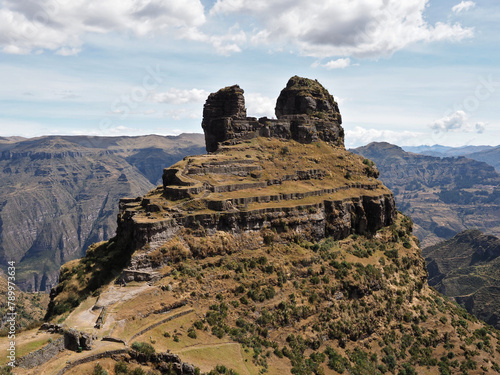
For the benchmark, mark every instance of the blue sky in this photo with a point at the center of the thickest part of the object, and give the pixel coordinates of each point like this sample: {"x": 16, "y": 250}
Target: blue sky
{"x": 408, "y": 72}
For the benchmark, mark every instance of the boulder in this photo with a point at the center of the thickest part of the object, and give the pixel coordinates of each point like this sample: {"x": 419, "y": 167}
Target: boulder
{"x": 73, "y": 340}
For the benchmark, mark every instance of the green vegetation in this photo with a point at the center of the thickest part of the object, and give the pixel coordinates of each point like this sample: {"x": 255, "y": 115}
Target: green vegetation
{"x": 98, "y": 370}
{"x": 143, "y": 347}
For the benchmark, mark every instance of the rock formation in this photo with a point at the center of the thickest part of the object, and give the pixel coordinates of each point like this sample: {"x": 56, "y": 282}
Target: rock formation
{"x": 305, "y": 110}
{"x": 281, "y": 182}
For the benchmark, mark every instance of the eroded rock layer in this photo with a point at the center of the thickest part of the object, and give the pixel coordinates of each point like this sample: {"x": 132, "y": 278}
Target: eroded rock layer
{"x": 263, "y": 184}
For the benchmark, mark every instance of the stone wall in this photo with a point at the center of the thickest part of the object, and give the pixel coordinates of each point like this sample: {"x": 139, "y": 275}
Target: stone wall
{"x": 42, "y": 355}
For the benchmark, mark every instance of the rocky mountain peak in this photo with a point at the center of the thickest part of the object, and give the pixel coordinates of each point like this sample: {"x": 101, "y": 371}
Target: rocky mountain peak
{"x": 305, "y": 111}
{"x": 303, "y": 96}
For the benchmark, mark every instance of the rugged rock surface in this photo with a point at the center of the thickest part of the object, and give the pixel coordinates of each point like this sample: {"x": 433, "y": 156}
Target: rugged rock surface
{"x": 467, "y": 268}
{"x": 443, "y": 196}
{"x": 58, "y": 195}
{"x": 305, "y": 110}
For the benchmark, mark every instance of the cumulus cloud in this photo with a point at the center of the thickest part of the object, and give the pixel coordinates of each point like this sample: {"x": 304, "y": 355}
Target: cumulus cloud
{"x": 180, "y": 96}
{"x": 59, "y": 25}
{"x": 259, "y": 105}
{"x": 360, "y": 136}
{"x": 334, "y": 64}
{"x": 464, "y": 5}
{"x": 359, "y": 28}
{"x": 457, "y": 121}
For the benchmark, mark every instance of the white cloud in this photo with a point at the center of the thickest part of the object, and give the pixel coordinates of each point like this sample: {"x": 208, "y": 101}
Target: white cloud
{"x": 179, "y": 96}
{"x": 60, "y": 25}
{"x": 464, "y": 5}
{"x": 259, "y": 105}
{"x": 360, "y": 28}
{"x": 334, "y": 64}
{"x": 457, "y": 121}
{"x": 224, "y": 44}
{"x": 360, "y": 136}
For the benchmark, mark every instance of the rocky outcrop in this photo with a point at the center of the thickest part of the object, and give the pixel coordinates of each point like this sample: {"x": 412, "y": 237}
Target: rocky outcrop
{"x": 279, "y": 184}
{"x": 311, "y": 110}
{"x": 305, "y": 110}
{"x": 74, "y": 340}
{"x": 338, "y": 218}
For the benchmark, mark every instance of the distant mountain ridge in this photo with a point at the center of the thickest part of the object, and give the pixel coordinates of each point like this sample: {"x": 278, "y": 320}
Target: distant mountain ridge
{"x": 488, "y": 154}
{"x": 58, "y": 194}
{"x": 443, "y": 196}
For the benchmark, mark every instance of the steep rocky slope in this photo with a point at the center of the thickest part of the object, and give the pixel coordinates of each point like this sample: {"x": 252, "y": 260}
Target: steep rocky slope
{"x": 278, "y": 254}
{"x": 467, "y": 268}
{"x": 58, "y": 194}
{"x": 443, "y": 196}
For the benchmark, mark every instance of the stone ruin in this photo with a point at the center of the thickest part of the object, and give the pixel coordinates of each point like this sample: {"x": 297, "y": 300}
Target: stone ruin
{"x": 305, "y": 111}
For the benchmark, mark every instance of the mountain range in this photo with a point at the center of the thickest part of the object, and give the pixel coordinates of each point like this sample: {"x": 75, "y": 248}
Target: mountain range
{"x": 443, "y": 196}
{"x": 488, "y": 154}
{"x": 58, "y": 194}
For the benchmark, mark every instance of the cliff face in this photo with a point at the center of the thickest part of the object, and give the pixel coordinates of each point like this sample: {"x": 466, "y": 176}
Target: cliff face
{"x": 305, "y": 110}
{"x": 245, "y": 188}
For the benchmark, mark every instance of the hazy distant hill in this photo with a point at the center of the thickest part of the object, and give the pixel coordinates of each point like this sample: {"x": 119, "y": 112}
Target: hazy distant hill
{"x": 488, "y": 154}
{"x": 59, "y": 194}
{"x": 443, "y": 196}
{"x": 467, "y": 268}
{"x": 491, "y": 157}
